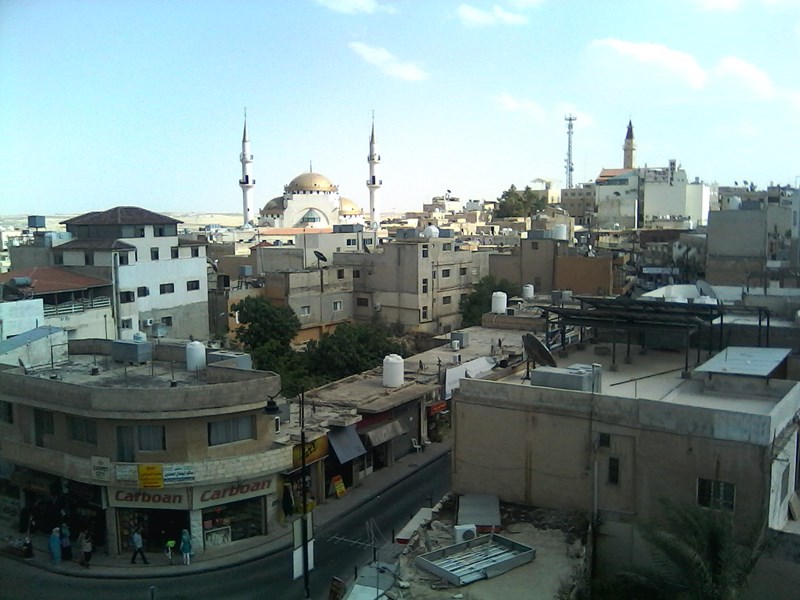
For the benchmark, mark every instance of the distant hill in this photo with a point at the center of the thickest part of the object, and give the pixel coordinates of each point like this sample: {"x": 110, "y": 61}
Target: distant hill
{"x": 190, "y": 220}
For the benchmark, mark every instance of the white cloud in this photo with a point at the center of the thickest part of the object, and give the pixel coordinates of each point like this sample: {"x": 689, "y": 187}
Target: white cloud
{"x": 659, "y": 56}
{"x": 530, "y": 108}
{"x": 750, "y": 76}
{"x": 718, "y": 5}
{"x": 388, "y": 62}
{"x": 351, "y": 7}
{"x": 474, "y": 17}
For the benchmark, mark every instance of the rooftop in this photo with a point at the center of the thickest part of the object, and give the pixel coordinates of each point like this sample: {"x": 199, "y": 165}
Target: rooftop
{"x": 48, "y": 280}
{"x": 121, "y": 215}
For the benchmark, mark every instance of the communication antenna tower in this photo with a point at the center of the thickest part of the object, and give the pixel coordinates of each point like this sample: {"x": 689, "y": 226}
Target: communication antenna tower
{"x": 570, "y": 119}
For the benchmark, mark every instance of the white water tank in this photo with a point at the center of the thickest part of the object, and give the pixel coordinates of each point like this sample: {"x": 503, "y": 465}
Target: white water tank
{"x": 499, "y": 303}
{"x": 139, "y": 337}
{"x": 527, "y": 291}
{"x": 195, "y": 356}
{"x": 560, "y": 232}
{"x": 393, "y": 371}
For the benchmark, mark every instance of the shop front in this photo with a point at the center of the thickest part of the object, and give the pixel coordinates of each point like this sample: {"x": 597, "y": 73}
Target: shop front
{"x": 346, "y": 462}
{"x": 316, "y": 450}
{"x": 438, "y": 420}
{"x": 44, "y": 502}
{"x": 233, "y": 511}
{"x": 161, "y": 514}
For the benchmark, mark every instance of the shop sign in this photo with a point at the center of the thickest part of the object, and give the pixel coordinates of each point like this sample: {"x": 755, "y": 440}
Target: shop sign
{"x": 175, "y": 473}
{"x": 338, "y": 485}
{"x": 151, "y": 476}
{"x": 315, "y": 450}
{"x": 101, "y": 468}
{"x": 215, "y": 495}
{"x": 126, "y": 472}
{"x": 170, "y": 499}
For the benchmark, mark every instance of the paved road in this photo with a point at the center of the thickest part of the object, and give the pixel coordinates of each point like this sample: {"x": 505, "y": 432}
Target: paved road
{"x": 268, "y": 578}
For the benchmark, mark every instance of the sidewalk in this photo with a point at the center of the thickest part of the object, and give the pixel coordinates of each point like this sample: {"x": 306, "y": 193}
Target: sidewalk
{"x": 104, "y": 566}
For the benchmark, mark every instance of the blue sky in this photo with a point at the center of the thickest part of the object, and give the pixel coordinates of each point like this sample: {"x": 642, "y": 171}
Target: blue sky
{"x": 106, "y": 103}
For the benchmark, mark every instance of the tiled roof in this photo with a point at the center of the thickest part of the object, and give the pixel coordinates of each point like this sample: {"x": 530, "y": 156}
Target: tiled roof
{"x": 610, "y": 173}
{"x": 48, "y": 280}
{"x": 121, "y": 215}
{"x": 95, "y": 244}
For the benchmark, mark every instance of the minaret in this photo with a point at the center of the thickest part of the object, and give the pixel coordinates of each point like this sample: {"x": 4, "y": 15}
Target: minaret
{"x": 247, "y": 182}
{"x": 628, "y": 148}
{"x": 373, "y": 183}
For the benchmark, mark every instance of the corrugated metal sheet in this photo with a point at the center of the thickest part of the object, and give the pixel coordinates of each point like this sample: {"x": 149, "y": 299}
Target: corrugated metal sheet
{"x": 738, "y": 360}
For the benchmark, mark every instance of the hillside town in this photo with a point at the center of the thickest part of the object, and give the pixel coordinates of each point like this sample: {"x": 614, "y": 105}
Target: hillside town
{"x": 637, "y": 353}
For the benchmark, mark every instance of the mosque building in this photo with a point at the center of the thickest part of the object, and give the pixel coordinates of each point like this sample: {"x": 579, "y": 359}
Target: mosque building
{"x": 310, "y": 200}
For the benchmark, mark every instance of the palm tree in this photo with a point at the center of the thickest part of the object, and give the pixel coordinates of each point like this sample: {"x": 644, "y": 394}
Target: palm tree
{"x": 696, "y": 556}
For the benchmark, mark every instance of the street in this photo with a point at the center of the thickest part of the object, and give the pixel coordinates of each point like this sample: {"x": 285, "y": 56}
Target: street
{"x": 269, "y": 577}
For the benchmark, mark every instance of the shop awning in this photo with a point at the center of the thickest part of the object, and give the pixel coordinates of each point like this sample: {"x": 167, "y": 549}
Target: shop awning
{"x": 437, "y": 408}
{"x": 346, "y": 443}
{"x": 34, "y": 481}
{"x": 384, "y": 433}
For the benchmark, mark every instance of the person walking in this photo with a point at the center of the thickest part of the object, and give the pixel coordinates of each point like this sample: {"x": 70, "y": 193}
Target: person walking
{"x": 86, "y": 547}
{"x": 55, "y": 545}
{"x": 138, "y": 547}
{"x": 66, "y": 543}
{"x": 186, "y": 547}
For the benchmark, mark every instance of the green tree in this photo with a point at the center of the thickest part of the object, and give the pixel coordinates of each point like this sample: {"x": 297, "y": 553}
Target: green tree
{"x": 474, "y": 305}
{"x": 516, "y": 203}
{"x": 265, "y": 330}
{"x": 697, "y": 556}
{"x": 352, "y": 349}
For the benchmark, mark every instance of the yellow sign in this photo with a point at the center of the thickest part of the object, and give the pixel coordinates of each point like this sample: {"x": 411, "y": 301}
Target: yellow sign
{"x": 151, "y": 476}
{"x": 315, "y": 450}
{"x": 338, "y": 483}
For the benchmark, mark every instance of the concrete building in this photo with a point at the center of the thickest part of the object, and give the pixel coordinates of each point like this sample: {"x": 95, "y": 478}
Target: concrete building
{"x": 159, "y": 441}
{"x": 726, "y": 438}
{"x": 580, "y": 203}
{"x": 158, "y": 279}
{"x": 532, "y": 261}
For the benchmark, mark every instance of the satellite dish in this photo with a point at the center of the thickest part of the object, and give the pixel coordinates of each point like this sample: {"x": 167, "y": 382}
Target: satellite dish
{"x": 537, "y": 351}
{"x": 320, "y": 256}
{"x": 705, "y": 289}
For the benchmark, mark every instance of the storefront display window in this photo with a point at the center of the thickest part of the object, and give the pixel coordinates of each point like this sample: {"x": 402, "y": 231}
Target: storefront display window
{"x": 235, "y": 521}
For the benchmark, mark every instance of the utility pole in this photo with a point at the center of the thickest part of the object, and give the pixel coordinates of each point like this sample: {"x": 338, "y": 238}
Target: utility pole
{"x": 303, "y": 474}
{"x": 570, "y": 119}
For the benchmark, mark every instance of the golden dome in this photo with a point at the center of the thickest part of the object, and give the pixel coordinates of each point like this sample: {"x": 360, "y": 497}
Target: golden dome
{"x": 348, "y": 207}
{"x": 311, "y": 182}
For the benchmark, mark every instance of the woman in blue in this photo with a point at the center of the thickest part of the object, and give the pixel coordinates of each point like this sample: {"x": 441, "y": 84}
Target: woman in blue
{"x": 186, "y": 547}
{"x": 55, "y": 545}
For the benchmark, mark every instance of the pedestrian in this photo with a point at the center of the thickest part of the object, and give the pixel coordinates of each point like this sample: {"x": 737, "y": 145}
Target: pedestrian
{"x": 55, "y": 545}
{"x": 138, "y": 547}
{"x": 86, "y": 547}
{"x": 66, "y": 543}
{"x": 27, "y": 548}
{"x": 186, "y": 547}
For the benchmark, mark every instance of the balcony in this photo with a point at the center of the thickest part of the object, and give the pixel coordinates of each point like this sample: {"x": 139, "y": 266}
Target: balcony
{"x": 76, "y": 306}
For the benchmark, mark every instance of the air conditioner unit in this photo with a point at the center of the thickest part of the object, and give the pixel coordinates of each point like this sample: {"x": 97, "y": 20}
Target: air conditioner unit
{"x": 455, "y": 345}
{"x": 464, "y": 533}
{"x": 148, "y": 322}
{"x": 377, "y": 306}
{"x": 457, "y": 359}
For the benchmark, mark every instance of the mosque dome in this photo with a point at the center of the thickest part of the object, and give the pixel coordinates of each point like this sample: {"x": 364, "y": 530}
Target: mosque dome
{"x": 274, "y": 205}
{"x": 310, "y": 182}
{"x": 348, "y": 207}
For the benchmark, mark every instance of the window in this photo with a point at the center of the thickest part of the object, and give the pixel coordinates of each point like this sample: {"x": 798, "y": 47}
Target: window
{"x": 277, "y": 425}
{"x": 534, "y": 245}
{"x": 126, "y": 323}
{"x": 167, "y": 288}
{"x": 604, "y": 441}
{"x": 88, "y": 258}
{"x": 462, "y": 271}
{"x": 784, "y": 482}
{"x": 447, "y": 300}
{"x": 447, "y": 247}
{"x": 337, "y": 305}
{"x": 151, "y": 438}
{"x": 715, "y": 494}
{"x": 362, "y": 301}
{"x": 231, "y": 430}
{"x": 153, "y": 253}
{"x": 424, "y": 313}
{"x": 161, "y": 231}
{"x": 42, "y": 425}
{"x": 6, "y": 412}
{"x": 82, "y": 430}
{"x": 126, "y": 297}
{"x": 124, "y": 258}
{"x": 58, "y": 258}
{"x": 192, "y": 285}
{"x": 173, "y": 252}
{"x": 352, "y": 242}
{"x": 340, "y": 274}
{"x": 356, "y": 274}
{"x": 424, "y": 286}
{"x": 143, "y": 291}
{"x": 305, "y": 311}
{"x": 166, "y": 321}
{"x": 138, "y": 232}
{"x": 195, "y": 252}
{"x": 445, "y": 272}
{"x": 424, "y": 250}
{"x": 613, "y": 470}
